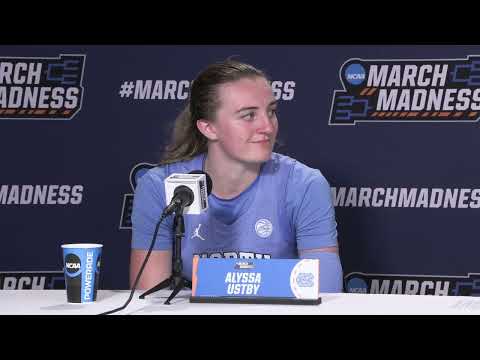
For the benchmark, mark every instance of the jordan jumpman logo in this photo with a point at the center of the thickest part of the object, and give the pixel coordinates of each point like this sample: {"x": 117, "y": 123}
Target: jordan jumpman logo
{"x": 197, "y": 232}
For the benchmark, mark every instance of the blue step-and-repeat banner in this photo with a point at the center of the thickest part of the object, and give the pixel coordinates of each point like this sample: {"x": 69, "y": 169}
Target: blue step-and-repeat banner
{"x": 392, "y": 128}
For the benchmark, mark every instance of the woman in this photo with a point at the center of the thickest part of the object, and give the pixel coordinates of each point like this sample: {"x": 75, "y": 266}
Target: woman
{"x": 263, "y": 204}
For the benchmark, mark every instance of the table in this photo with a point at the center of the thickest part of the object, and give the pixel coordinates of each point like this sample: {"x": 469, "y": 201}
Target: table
{"x": 53, "y": 302}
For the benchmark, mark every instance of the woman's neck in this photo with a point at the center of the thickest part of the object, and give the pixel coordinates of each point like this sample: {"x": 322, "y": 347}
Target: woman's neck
{"x": 229, "y": 177}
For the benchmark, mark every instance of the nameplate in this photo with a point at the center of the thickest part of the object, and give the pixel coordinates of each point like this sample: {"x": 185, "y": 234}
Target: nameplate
{"x": 261, "y": 279}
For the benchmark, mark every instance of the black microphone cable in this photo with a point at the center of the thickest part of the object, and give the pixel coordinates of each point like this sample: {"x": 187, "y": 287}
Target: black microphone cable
{"x": 164, "y": 215}
{"x": 183, "y": 196}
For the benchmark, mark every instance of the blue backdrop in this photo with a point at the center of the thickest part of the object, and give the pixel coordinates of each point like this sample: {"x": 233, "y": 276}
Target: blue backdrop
{"x": 413, "y": 247}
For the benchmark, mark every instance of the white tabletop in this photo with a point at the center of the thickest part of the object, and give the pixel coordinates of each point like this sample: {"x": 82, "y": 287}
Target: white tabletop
{"x": 54, "y": 302}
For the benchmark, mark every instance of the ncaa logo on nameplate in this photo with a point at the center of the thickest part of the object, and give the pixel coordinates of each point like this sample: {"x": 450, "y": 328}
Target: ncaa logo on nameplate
{"x": 263, "y": 228}
{"x": 407, "y": 91}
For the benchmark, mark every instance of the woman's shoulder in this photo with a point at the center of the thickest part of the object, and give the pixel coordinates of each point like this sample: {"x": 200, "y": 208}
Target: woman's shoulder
{"x": 162, "y": 171}
{"x": 298, "y": 169}
{"x": 299, "y": 173}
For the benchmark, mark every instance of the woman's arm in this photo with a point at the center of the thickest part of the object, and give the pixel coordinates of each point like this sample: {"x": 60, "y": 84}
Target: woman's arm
{"x": 157, "y": 269}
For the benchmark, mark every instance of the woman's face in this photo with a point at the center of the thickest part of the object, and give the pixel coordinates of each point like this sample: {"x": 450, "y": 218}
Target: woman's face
{"x": 246, "y": 123}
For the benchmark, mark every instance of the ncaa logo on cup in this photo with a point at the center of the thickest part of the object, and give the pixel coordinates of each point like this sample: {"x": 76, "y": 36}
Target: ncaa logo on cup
{"x": 355, "y": 74}
{"x": 72, "y": 263}
{"x": 263, "y": 228}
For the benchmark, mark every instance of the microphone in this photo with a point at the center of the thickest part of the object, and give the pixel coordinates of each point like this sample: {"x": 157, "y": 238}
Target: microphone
{"x": 187, "y": 193}
{"x": 208, "y": 178}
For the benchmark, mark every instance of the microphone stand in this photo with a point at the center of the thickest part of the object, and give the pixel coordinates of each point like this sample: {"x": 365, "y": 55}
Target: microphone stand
{"x": 175, "y": 281}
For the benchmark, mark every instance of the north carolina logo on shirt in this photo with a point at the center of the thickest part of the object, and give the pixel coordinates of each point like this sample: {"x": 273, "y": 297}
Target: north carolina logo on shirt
{"x": 263, "y": 228}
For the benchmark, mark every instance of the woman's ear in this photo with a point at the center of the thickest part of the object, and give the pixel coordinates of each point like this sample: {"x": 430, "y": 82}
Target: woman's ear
{"x": 207, "y": 128}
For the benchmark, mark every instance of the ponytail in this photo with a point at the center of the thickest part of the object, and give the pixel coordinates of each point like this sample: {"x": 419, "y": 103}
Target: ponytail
{"x": 187, "y": 140}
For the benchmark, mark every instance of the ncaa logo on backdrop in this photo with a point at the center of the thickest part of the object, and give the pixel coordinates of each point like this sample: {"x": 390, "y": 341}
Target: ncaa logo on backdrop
{"x": 364, "y": 283}
{"x": 135, "y": 174}
{"x": 41, "y": 88}
{"x": 355, "y": 74}
{"x": 405, "y": 91}
{"x": 263, "y": 228}
{"x": 357, "y": 285}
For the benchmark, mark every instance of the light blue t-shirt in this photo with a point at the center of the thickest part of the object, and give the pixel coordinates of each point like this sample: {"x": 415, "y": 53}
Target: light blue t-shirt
{"x": 286, "y": 209}
{"x": 228, "y": 210}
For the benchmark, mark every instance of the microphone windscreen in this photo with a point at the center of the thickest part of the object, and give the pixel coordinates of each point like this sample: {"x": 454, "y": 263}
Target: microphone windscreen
{"x": 209, "y": 179}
